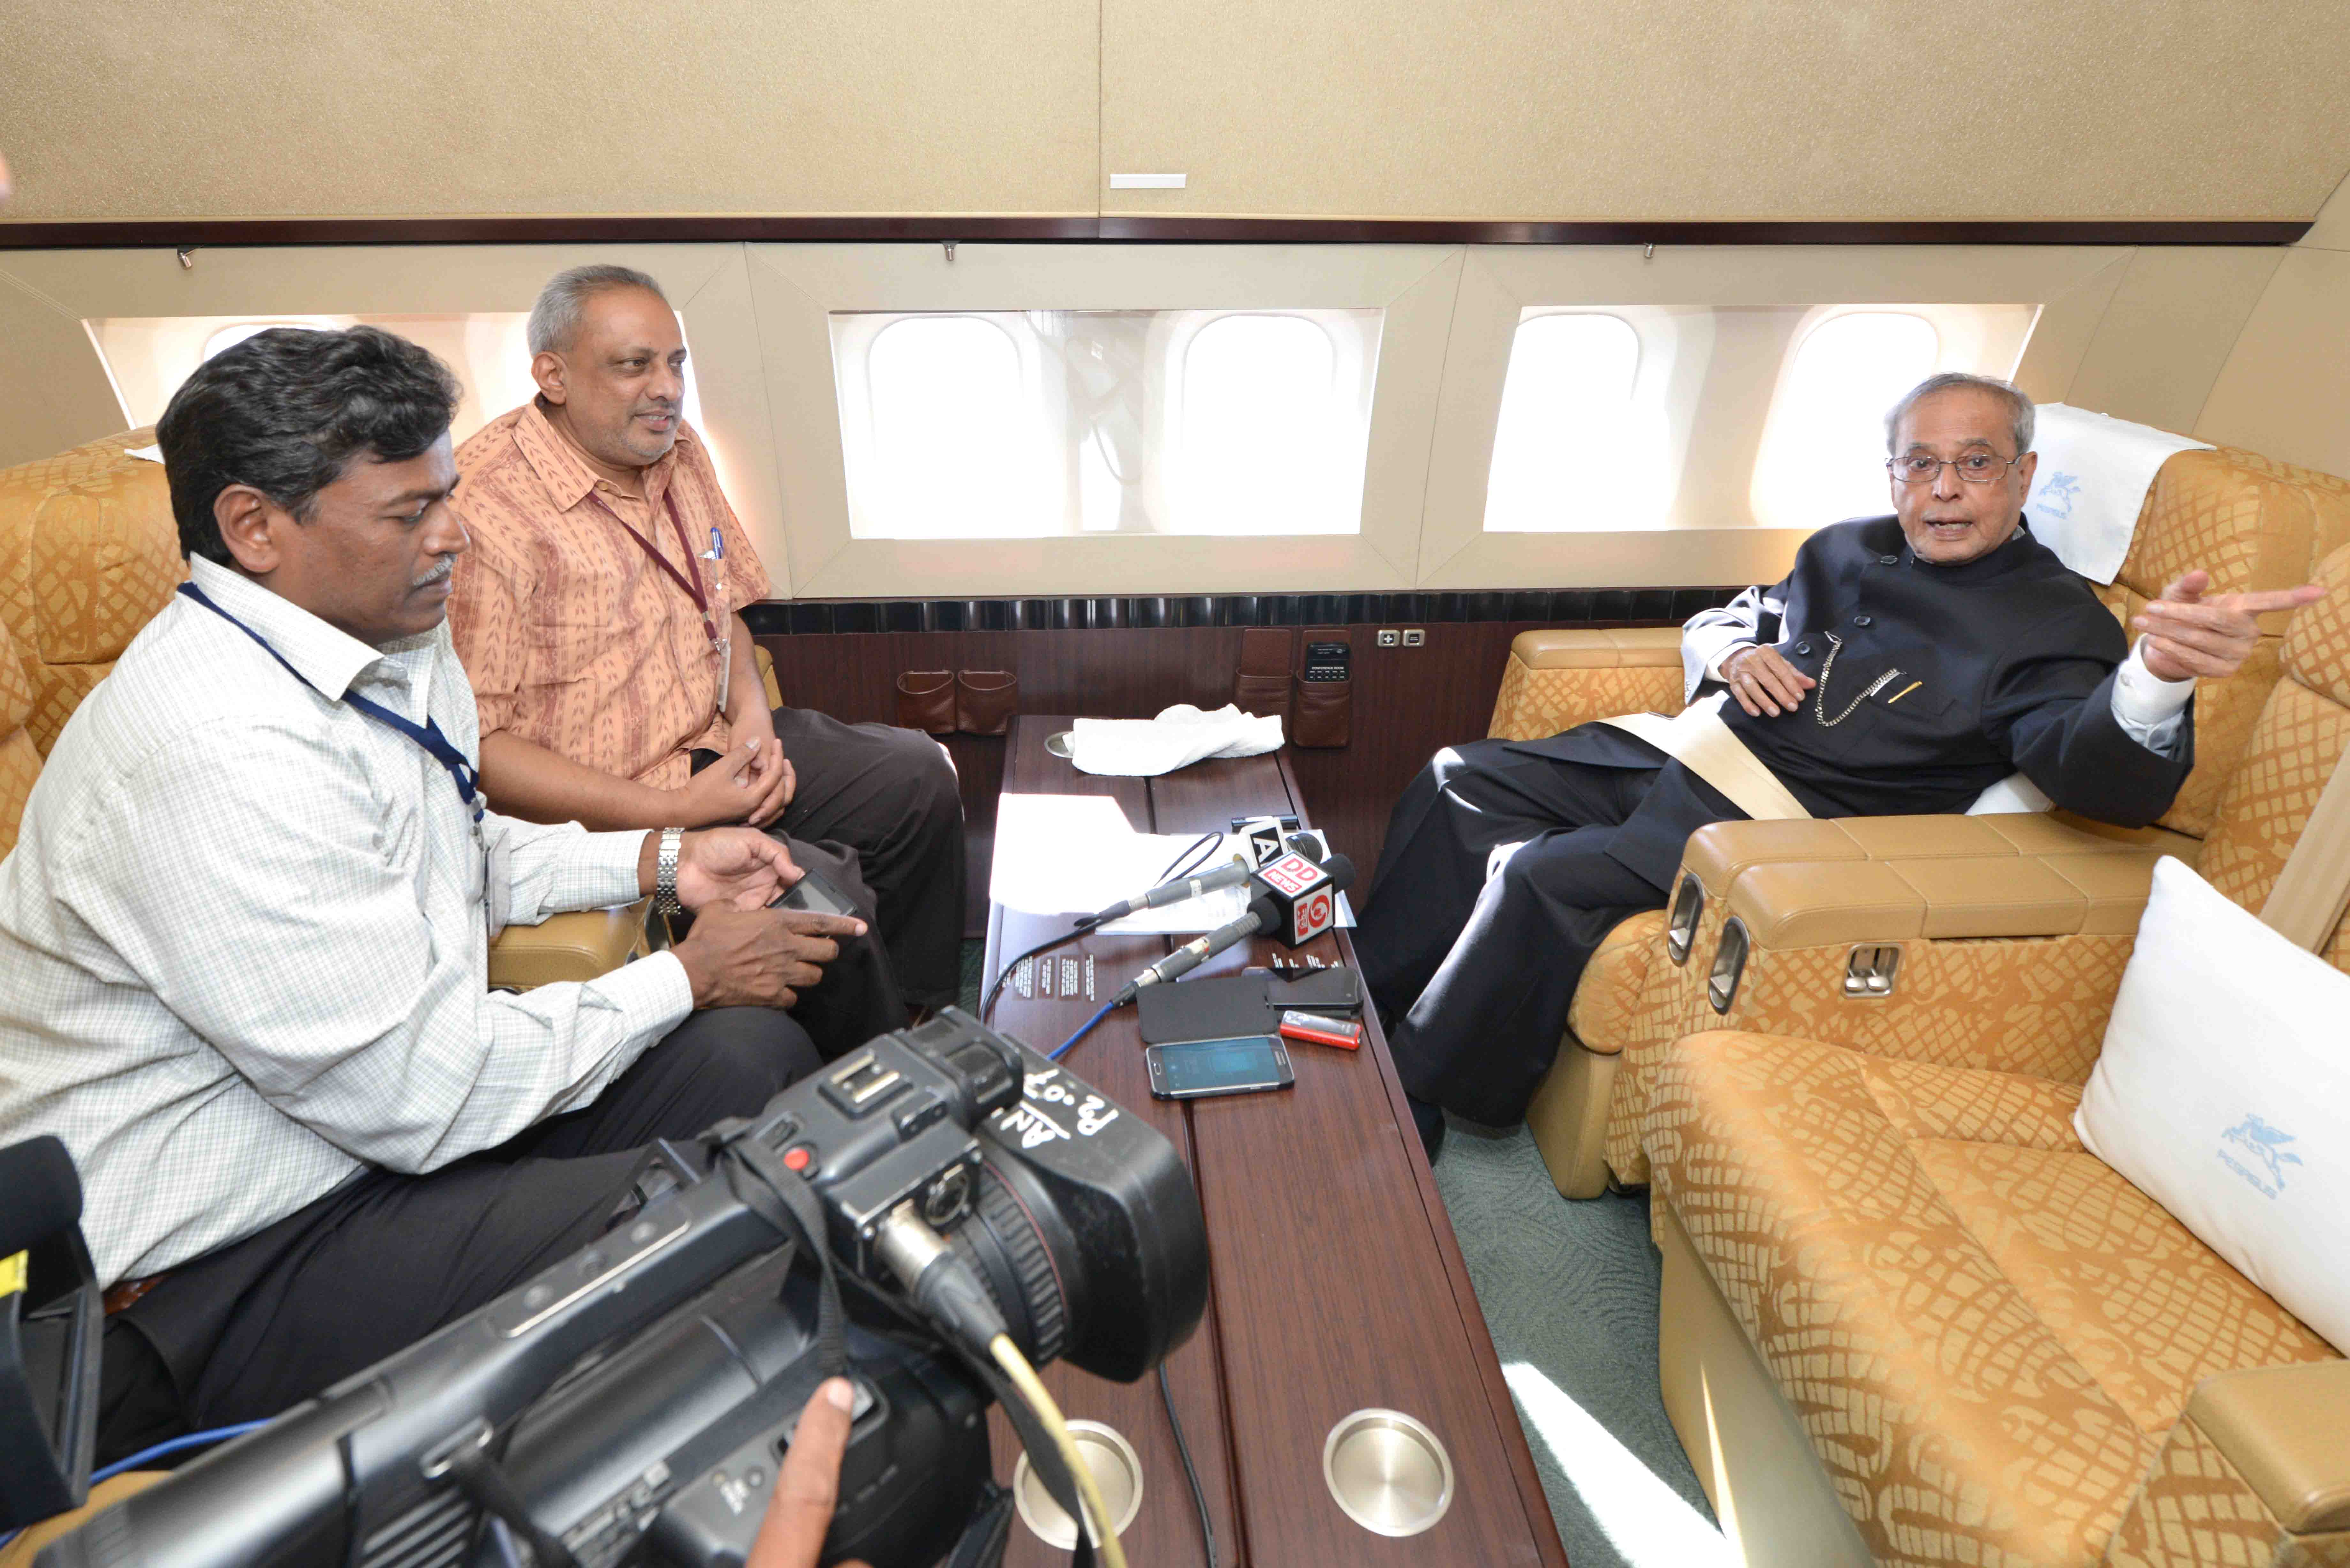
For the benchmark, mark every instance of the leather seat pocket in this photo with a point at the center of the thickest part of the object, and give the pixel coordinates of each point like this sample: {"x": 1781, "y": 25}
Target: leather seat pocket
{"x": 985, "y": 701}
{"x": 1262, "y": 686}
{"x": 926, "y": 701}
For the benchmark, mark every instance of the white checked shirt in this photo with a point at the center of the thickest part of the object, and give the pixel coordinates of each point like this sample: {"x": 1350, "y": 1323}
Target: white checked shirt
{"x": 244, "y": 942}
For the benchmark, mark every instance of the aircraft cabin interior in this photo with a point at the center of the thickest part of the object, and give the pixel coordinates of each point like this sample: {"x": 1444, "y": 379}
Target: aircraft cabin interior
{"x": 1449, "y": 784}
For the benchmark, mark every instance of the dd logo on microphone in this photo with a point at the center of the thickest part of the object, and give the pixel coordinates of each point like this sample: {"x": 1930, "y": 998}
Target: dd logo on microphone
{"x": 1304, "y": 893}
{"x": 1311, "y": 917}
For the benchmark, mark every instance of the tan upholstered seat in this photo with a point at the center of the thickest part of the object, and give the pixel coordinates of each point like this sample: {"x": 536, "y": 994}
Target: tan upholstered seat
{"x": 1987, "y": 1333}
{"x": 89, "y": 555}
{"x": 2251, "y": 523}
{"x": 1992, "y": 1343}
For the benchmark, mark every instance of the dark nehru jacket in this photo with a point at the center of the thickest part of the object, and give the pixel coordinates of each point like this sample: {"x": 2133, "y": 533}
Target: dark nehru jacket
{"x": 1963, "y": 674}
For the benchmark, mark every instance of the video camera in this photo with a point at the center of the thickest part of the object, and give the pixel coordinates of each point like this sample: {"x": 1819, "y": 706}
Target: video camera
{"x": 887, "y": 1218}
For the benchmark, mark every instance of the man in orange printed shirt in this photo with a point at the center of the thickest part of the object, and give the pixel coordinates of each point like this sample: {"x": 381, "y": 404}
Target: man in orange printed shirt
{"x": 599, "y": 618}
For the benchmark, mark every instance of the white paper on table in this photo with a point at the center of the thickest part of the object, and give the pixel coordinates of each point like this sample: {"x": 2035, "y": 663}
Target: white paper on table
{"x": 1074, "y": 854}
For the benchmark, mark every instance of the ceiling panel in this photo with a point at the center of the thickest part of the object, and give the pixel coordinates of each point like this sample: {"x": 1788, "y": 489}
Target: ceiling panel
{"x": 119, "y": 108}
{"x": 1728, "y": 109}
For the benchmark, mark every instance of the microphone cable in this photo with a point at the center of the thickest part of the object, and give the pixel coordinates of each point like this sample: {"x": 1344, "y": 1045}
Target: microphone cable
{"x": 1084, "y": 1029}
{"x": 156, "y": 1451}
{"x": 1190, "y": 860}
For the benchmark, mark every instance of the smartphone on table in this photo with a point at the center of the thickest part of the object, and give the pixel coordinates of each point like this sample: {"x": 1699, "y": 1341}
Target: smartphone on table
{"x": 1197, "y": 1069}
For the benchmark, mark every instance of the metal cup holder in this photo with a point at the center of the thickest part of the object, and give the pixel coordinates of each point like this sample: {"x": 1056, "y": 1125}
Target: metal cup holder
{"x": 1387, "y": 1472}
{"x": 1729, "y": 966}
{"x": 1117, "y": 1470}
{"x": 1680, "y": 925}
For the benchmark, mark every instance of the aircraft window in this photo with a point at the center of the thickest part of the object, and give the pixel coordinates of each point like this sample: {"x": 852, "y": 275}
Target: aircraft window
{"x": 1823, "y": 451}
{"x": 149, "y": 356}
{"x": 1030, "y": 424}
{"x": 955, "y": 440}
{"x": 1271, "y": 442}
{"x": 1565, "y": 449}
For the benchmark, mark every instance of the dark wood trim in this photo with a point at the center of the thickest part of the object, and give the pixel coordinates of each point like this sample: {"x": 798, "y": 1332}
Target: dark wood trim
{"x": 583, "y": 229}
{"x": 1632, "y": 232}
{"x": 666, "y": 228}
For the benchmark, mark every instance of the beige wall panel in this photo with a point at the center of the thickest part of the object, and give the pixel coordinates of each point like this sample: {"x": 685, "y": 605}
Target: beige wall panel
{"x": 53, "y": 392}
{"x": 2168, "y": 331}
{"x": 1713, "y": 540}
{"x": 2067, "y": 325}
{"x": 2331, "y": 232}
{"x": 709, "y": 284}
{"x": 1727, "y": 108}
{"x": 2285, "y": 391}
{"x": 119, "y": 108}
{"x": 796, "y": 287}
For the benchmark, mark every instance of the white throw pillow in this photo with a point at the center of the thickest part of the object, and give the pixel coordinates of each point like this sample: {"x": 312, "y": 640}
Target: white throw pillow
{"x": 2223, "y": 1093}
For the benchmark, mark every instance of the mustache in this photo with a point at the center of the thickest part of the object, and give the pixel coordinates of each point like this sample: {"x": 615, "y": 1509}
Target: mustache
{"x": 438, "y": 573}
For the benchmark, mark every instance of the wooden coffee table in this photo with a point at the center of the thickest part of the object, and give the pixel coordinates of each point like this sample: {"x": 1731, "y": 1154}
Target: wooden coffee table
{"x": 1335, "y": 1280}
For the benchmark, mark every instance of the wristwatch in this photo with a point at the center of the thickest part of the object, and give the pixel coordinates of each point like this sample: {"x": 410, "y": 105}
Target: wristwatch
{"x": 665, "y": 872}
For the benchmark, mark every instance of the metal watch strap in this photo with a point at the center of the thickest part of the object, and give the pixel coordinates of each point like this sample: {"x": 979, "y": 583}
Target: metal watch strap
{"x": 665, "y": 872}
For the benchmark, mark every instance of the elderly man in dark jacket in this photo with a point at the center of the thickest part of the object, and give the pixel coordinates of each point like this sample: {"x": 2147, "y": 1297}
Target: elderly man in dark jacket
{"x": 1904, "y": 665}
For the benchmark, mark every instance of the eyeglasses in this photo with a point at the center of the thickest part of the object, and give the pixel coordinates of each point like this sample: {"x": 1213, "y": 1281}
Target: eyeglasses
{"x": 1975, "y": 467}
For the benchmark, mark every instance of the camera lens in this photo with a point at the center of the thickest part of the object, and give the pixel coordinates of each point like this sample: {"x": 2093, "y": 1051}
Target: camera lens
{"x": 1002, "y": 1238}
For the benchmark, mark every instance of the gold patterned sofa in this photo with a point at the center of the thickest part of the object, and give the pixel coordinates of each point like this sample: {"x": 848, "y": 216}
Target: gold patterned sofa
{"x": 1907, "y": 1317}
{"x": 2253, "y": 524}
{"x": 88, "y": 554}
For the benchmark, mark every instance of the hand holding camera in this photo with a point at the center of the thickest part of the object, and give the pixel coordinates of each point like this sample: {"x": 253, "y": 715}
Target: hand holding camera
{"x": 807, "y": 1485}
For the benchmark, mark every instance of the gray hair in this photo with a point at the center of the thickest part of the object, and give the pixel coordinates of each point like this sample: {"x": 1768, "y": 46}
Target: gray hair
{"x": 2019, "y": 416}
{"x": 556, "y": 317}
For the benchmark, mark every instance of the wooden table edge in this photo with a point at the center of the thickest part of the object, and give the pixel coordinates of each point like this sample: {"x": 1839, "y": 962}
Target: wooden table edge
{"x": 1498, "y": 1397}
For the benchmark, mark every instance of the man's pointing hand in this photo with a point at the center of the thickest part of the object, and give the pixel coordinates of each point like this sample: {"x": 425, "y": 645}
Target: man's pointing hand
{"x": 2188, "y": 635}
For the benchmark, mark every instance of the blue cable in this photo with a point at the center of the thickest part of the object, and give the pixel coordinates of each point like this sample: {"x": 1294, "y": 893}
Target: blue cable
{"x": 174, "y": 1445}
{"x": 1083, "y": 1029}
{"x": 171, "y": 1446}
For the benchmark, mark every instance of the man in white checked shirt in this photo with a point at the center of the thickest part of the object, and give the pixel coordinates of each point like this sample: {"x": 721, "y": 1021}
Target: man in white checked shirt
{"x": 243, "y": 934}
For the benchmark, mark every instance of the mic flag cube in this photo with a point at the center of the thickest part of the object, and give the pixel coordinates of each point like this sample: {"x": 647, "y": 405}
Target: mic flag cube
{"x": 1304, "y": 896}
{"x": 1264, "y": 845}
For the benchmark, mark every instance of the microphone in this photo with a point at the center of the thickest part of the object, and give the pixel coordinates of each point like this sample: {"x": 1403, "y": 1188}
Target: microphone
{"x": 1296, "y": 900}
{"x": 44, "y": 1193}
{"x": 1230, "y": 875}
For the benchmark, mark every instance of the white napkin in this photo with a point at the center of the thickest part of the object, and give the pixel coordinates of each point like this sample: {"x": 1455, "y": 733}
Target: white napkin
{"x": 2095, "y": 472}
{"x": 145, "y": 454}
{"x": 1182, "y": 735}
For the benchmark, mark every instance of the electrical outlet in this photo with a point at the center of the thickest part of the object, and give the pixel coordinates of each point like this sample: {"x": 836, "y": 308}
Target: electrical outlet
{"x": 1387, "y": 637}
{"x": 1414, "y": 638}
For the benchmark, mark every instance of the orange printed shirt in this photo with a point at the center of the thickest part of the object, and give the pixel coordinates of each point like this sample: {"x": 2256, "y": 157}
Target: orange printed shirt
{"x": 574, "y": 639}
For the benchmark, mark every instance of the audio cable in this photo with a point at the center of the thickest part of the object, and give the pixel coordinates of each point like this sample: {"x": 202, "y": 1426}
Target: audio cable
{"x": 1040, "y": 1400}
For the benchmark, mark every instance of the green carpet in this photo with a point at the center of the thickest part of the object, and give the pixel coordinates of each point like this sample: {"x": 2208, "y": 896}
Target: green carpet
{"x": 1569, "y": 1290}
{"x": 975, "y": 955}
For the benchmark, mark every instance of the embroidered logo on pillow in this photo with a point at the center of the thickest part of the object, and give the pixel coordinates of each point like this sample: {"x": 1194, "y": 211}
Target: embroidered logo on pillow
{"x": 2264, "y": 1144}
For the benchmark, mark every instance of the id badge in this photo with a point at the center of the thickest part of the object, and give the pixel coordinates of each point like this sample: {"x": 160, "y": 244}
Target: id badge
{"x": 725, "y": 649}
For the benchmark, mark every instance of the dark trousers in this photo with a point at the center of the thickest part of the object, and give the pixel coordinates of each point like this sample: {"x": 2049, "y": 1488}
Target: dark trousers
{"x": 889, "y": 795}
{"x": 256, "y": 1327}
{"x": 1476, "y": 972}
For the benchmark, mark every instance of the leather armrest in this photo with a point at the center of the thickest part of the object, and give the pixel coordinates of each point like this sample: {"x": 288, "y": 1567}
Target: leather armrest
{"x": 1820, "y": 883}
{"x": 2282, "y": 1428}
{"x": 1619, "y": 648}
{"x": 767, "y": 663}
{"x": 577, "y": 946}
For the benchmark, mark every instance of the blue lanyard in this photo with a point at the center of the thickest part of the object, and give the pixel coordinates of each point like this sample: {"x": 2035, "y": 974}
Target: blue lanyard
{"x": 428, "y": 734}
